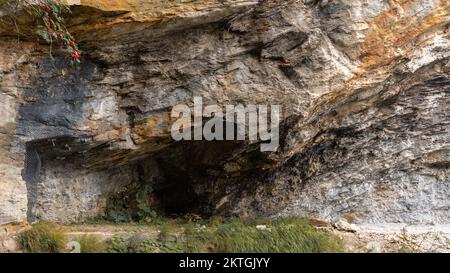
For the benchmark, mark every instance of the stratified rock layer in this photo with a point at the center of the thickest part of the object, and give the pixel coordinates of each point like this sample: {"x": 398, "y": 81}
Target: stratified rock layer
{"x": 364, "y": 88}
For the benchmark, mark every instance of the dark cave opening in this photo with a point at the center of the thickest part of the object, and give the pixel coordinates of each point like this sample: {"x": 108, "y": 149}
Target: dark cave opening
{"x": 176, "y": 180}
{"x": 178, "y": 195}
{"x": 189, "y": 169}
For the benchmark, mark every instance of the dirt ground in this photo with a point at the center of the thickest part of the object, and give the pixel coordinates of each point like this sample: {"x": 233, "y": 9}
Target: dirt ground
{"x": 385, "y": 238}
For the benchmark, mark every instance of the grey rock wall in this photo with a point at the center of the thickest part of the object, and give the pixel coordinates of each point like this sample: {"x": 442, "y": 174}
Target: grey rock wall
{"x": 364, "y": 88}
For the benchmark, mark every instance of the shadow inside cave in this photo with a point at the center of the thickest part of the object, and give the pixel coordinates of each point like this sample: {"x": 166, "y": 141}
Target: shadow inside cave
{"x": 179, "y": 179}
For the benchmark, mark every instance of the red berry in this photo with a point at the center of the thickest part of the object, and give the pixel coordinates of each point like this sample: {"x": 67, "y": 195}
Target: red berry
{"x": 71, "y": 43}
{"x": 76, "y": 54}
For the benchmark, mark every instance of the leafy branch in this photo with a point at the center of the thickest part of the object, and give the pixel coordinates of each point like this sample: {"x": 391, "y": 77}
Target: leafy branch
{"x": 50, "y": 27}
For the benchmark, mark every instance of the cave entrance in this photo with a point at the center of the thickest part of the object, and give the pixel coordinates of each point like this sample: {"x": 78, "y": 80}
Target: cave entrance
{"x": 177, "y": 195}
{"x": 189, "y": 170}
{"x": 64, "y": 187}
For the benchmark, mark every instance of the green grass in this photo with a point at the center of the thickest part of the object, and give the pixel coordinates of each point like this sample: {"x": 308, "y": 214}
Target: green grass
{"x": 138, "y": 244}
{"x": 91, "y": 244}
{"x": 224, "y": 235}
{"x": 42, "y": 238}
{"x": 291, "y": 235}
{"x": 217, "y": 234}
{"x": 118, "y": 244}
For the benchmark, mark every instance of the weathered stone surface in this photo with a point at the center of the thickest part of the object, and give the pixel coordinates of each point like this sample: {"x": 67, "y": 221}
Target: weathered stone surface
{"x": 364, "y": 88}
{"x": 13, "y": 193}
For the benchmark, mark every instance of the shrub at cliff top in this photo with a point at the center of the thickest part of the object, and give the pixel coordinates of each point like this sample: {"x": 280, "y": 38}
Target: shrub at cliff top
{"x": 46, "y": 16}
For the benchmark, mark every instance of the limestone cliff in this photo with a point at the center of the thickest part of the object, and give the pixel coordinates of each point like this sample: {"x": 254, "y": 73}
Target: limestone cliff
{"x": 364, "y": 86}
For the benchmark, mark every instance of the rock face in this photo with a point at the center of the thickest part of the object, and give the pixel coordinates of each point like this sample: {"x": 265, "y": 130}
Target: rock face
{"x": 364, "y": 88}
